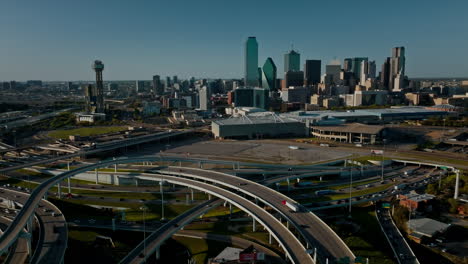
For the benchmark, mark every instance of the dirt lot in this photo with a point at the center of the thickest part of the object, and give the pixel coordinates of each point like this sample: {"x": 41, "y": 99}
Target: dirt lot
{"x": 259, "y": 151}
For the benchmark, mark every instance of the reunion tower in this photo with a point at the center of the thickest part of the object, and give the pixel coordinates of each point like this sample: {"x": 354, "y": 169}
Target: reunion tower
{"x": 98, "y": 67}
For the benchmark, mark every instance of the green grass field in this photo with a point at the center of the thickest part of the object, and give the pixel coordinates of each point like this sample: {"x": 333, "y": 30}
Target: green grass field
{"x": 85, "y": 131}
{"x": 363, "y": 235}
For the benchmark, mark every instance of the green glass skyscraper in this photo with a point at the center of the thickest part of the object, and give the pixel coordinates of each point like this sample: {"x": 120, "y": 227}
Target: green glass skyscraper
{"x": 269, "y": 75}
{"x": 292, "y": 61}
{"x": 251, "y": 62}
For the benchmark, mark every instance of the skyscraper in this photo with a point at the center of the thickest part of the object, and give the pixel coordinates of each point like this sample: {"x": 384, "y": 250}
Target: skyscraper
{"x": 157, "y": 85}
{"x": 269, "y": 75}
{"x": 371, "y": 70}
{"x": 385, "y": 74}
{"x": 98, "y": 67}
{"x": 140, "y": 86}
{"x": 348, "y": 64}
{"x": 293, "y": 78}
{"x": 168, "y": 81}
{"x": 397, "y": 66}
{"x": 334, "y": 71}
{"x": 292, "y": 61}
{"x": 312, "y": 71}
{"x": 356, "y": 66}
{"x": 204, "y": 95}
{"x": 251, "y": 62}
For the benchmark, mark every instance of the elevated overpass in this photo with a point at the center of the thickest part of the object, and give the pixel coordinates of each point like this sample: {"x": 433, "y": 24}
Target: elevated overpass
{"x": 316, "y": 233}
{"x": 296, "y": 252}
{"x": 156, "y": 238}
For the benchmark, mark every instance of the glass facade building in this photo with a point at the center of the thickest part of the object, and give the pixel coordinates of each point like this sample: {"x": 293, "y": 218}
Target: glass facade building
{"x": 251, "y": 62}
{"x": 269, "y": 75}
{"x": 292, "y": 61}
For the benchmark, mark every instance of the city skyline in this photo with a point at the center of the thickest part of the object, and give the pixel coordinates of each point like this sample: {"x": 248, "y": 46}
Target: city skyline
{"x": 141, "y": 44}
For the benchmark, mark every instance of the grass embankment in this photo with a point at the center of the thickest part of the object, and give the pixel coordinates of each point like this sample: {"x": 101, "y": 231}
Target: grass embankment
{"x": 201, "y": 249}
{"x": 85, "y": 131}
{"x": 363, "y": 235}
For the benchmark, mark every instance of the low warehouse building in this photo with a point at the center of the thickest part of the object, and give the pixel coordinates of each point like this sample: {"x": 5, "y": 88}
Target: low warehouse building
{"x": 258, "y": 125}
{"x": 350, "y": 133}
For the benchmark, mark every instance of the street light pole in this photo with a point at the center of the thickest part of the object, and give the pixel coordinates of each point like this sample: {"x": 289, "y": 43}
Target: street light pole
{"x": 143, "y": 208}
{"x": 350, "y": 188}
{"x": 162, "y": 198}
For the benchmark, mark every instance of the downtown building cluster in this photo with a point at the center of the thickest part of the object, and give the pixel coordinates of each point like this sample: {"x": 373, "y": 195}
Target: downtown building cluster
{"x": 356, "y": 83}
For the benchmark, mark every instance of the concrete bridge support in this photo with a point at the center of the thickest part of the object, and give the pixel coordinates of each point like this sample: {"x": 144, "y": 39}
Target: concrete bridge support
{"x": 457, "y": 184}
{"x": 59, "y": 190}
{"x": 97, "y": 175}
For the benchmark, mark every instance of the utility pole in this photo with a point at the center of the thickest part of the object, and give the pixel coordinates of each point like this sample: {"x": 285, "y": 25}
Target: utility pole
{"x": 350, "y": 188}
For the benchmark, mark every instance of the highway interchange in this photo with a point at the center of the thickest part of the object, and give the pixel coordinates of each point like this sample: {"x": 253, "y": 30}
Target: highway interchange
{"x": 314, "y": 233}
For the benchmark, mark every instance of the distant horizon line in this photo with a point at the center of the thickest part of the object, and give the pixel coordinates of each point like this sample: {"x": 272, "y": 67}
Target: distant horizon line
{"x": 132, "y": 80}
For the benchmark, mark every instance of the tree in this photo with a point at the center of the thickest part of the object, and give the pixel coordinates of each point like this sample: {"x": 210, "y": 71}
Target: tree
{"x": 453, "y": 205}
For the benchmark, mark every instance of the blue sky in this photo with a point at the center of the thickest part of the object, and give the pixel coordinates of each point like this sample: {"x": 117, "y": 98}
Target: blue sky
{"x": 59, "y": 39}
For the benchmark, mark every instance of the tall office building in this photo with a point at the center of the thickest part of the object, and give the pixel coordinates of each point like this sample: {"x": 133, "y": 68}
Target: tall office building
{"x": 140, "y": 86}
{"x": 356, "y": 66}
{"x": 251, "y": 62}
{"x": 175, "y": 79}
{"x": 204, "y": 95}
{"x": 168, "y": 81}
{"x": 312, "y": 72}
{"x": 334, "y": 71}
{"x": 385, "y": 74}
{"x": 371, "y": 70}
{"x": 293, "y": 78}
{"x": 98, "y": 67}
{"x": 269, "y": 75}
{"x": 348, "y": 64}
{"x": 397, "y": 66}
{"x": 157, "y": 85}
{"x": 292, "y": 61}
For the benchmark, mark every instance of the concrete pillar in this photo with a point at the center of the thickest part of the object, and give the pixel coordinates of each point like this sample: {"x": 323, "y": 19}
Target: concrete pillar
{"x": 69, "y": 185}
{"x": 180, "y": 163}
{"x": 113, "y": 224}
{"x": 230, "y": 210}
{"x": 209, "y": 196}
{"x": 136, "y": 182}
{"x": 457, "y": 184}
{"x": 68, "y": 166}
{"x": 115, "y": 167}
{"x": 28, "y": 239}
{"x": 59, "y": 190}
{"x": 187, "y": 200}
{"x": 298, "y": 180}
{"x": 315, "y": 255}
{"x": 29, "y": 225}
{"x": 158, "y": 254}
{"x": 254, "y": 225}
{"x": 233, "y": 166}
{"x": 287, "y": 224}
{"x": 320, "y": 178}
{"x": 270, "y": 238}
{"x": 191, "y": 194}
{"x": 97, "y": 175}
{"x": 287, "y": 180}
{"x": 45, "y": 196}
{"x": 256, "y": 200}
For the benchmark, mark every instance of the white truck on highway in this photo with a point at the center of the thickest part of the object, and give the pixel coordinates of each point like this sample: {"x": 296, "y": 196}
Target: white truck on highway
{"x": 399, "y": 186}
{"x": 294, "y": 207}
